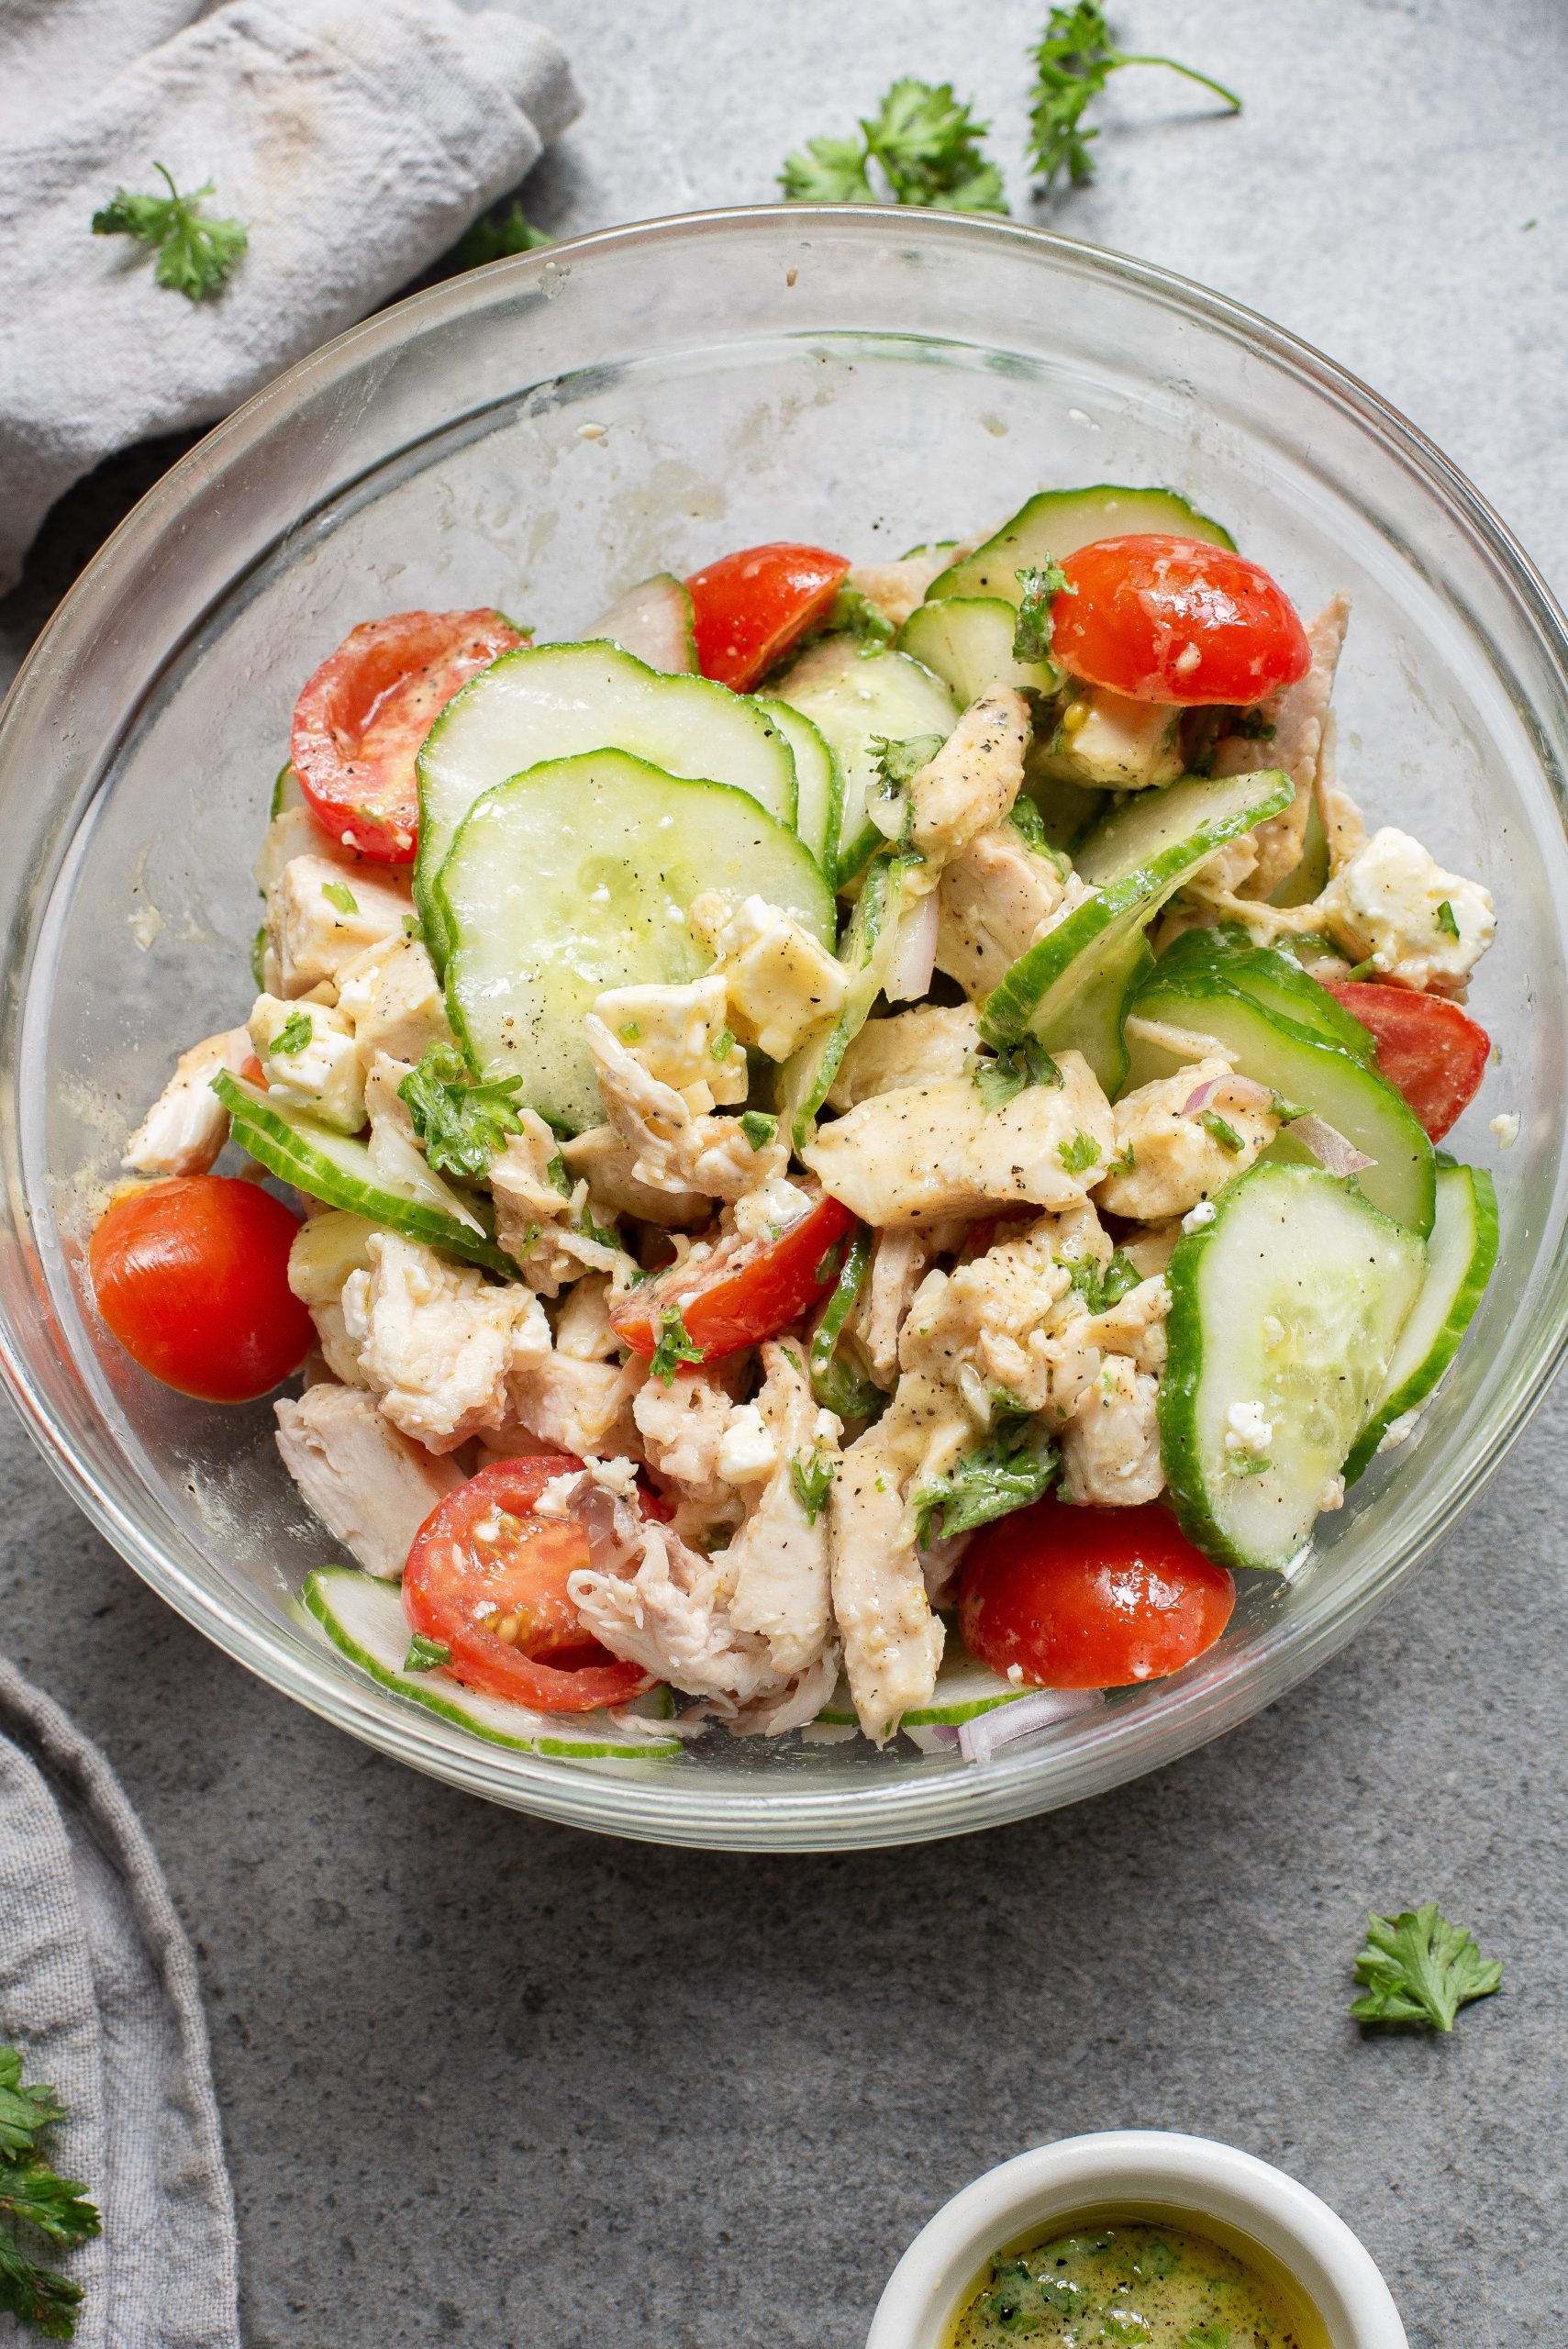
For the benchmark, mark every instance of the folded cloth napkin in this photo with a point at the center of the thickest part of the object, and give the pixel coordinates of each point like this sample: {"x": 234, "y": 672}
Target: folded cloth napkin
{"x": 98, "y": 1991}
{"x": 356, "y": 139}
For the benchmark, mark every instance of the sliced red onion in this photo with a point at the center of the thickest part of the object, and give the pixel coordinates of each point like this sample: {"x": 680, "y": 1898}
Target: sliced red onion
{"x": 1329, "y": 1146}
{"x": 1244, "y": 1092}
{"x": 913, "y": 952}
{"x": 978, "y": 1738}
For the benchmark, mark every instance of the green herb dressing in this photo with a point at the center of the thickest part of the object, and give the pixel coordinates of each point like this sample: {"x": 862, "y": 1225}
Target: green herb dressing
{"x": 1130, "y": 2283}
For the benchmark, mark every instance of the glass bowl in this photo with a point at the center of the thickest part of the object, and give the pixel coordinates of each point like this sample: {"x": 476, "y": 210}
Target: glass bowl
{"x": 538, "y": 435}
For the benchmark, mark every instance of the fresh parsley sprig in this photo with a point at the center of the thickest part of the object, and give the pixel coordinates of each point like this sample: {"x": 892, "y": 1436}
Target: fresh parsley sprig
{"x": 1014, "y": 1466}
{"x": 461, "y": 1119}
{"x": 1073, "y": 59}
{"x": 674, "y": 1346}
{"x": 1418, "y": 1968}
{"x": 33, "y": 2195}
{"x": 925, "y": 145}
{"x": 195, "y": 255}
{"x": 491, "y": 239}
{"x": 811, "y": 1478}
{"x": 1013, "y": 1071}
{"x": 1040, "y": 584}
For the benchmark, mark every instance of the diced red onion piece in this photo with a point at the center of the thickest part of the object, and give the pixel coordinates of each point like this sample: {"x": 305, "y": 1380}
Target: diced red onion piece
{"x": 1329, "y": 1146}
{"x": 1244, "y": 1091}
{"x": 978, "y": 1739}
{"x": 913, "y": 952}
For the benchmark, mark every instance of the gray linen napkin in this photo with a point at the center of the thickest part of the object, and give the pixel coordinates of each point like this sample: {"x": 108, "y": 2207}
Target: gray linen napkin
{"x": 98, "y": 1989}
{"x": 356, "y": 138}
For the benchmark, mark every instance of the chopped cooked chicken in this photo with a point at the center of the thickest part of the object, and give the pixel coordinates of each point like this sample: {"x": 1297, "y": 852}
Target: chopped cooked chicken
{"x": 604, "y": 1160}
{"x": 1110, "y": 1449}
{"x": 294, "y": 832}
{"x": 893, "y": 1643}
{"x": 662, "y": 1605}
{"x": 392, "y": 1000}
{"x": 310, "y": 1060}
{"x": 1151, "y": 1250}
{"x": 684, "y": 1426}
{"x": 998, "y": 897}
{"x": 1344, "y": 827}
{"x": 780, "y": 983}
{"x": 673, "y": 1150}
{"x": 319, "y": 918}
{"x": 1292, "y": 742}
{"x": 582, "y": 1324}
{"x": 1134, "y": 1324}
{"x": 584, "y": 1407}
{"x": 1004, "y": 1325}
{"x": 187, "y": 1125}
{"x": 937, "y": 1149}
{"x": 682, "y": 1036}
{"x": 895, "y": 588}
{"x": 898, "y": 1261}
{"x": 438, "y": 1342}
{"x": 970, "y": 784}
{"x": 367, "y": 1483}
{"x": 524, "y": 1186}
{"x": 910, "y": 1047}
{"x": 1394, "y": 906}
{"x": 1168, "y": 1157}
{"x": 779, "y": 1558}
{"x": 770, "y": 1715}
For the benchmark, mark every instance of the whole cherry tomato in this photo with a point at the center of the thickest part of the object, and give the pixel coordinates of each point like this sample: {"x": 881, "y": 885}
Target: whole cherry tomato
{"x": 192, "y": 1276}
{"x": 748, "y": 608}
{"x": 1170, "y": 619}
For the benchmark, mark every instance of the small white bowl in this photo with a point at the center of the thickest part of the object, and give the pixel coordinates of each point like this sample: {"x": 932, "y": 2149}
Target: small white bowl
{"x": 1140, "y": 2171}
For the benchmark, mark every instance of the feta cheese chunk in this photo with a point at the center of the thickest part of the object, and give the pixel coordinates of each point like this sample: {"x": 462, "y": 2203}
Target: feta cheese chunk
{"x": 310, "y": 1060}
{"x": 746, "y": 1450}
{"x": 392, "y": 1000}
{"x": 780, "y": 982}
{"x": 1248, "y": 1428}
{"x": 682, "y": 1036}
{"x": 320, "y": 916}
{"x": 1394, "y": 905}
{"x": 188, "y": 1125}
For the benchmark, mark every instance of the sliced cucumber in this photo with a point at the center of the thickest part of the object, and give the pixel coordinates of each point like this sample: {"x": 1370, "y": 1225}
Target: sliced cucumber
{"x": 364, "y": 1619}
{"x": 1133, "y": 860}
{"x": 1461, "y": 1254}
{"x": 1093, "y": 1019}
{"x": 1291, "y": 1299}
{"x": 654, "y": 621}
{"x": 554, "y": 701}
{"x": 1310, "y": 877}
{"x": 287, "y": 792}
{"x": 867, "y": 955}
{"x": 338, "y": 1169}
{"x": 964, "y": 1690}
{"x": 576, "y": 876}
{"x": 1057, "y": 523}
{"x": 968, "y": 642}
{"x": 1275, "y": 980}
{"x": 853, "y": 698}
{"x": 819, "y": 785}
{"x": 1310, "y": 1074}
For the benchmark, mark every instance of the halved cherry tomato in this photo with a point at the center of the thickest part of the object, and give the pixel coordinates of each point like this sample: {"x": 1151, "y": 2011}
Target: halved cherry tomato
{"x": 1428, "y": 1050}
{"x": 1090, "y": 1597}
{"x": 746, "y": 1291}
{"x": 1171, "y": 619}
{"x": 748, "y": 608}
{"x": 192, "y": 1276}
{"x": 359, "y": 724}
{"x": 487, "y": 1578}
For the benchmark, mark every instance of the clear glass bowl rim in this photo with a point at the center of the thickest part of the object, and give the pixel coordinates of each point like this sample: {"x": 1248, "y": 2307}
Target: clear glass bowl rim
{"x": 646, "y": 1803}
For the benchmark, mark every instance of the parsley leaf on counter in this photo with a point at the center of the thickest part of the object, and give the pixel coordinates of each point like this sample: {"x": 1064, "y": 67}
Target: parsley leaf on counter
{"x": 1073, "y": 59}
{"x": 491, "y": 239}
{"x": 1418, "y": 1968}
{"x": 1014, "y": 1466}
{"x": 195, "y": 255}
{"x": 32, "y": 2194}
{"x": 674, "y": 1346}
{"x": 461, "y": 1119}
{"x": 924, "y": 141}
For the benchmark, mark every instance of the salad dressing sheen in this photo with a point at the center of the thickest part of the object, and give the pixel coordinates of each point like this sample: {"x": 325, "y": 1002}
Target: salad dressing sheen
{"x": 1131, "y": 2284}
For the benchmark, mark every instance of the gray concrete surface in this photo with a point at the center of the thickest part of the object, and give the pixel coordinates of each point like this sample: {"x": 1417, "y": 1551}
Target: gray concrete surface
{"x": 491, "y": 2082}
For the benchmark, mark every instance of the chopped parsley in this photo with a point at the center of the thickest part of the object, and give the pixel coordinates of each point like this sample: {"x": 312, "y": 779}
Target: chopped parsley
{"x": 1445, "y": 920}
{"x": 722, "y": 1045}
{"x": 852, "y": 612}
{"x": 1223, "y": 1132}
{"x": 461, "y": 1119}
{"x": 898, "y": 762}
{"x": 33, "y": 2196}
{"x": 603, "y": 1234}
{"x": 1124, "y": 1164}
{"x": 1418, "y": 1968}
{"x": 631, "y": 1033}
{"x": 1101, "y": 1288}
{"x": 1014, "y": 1466}
{"x": 425, "y": 1656}
{"x": 674, "y": 1346}
{"x": 1041, "y": 583}
{"x": 757, "y": 1126}
{"x": 925, "y": 145}
{"x": 292, "y": 1037}
{"x": 195, "y": 255}
{"x": 1073, "y": 59}
{"x": 339, "y": 894}
{"x": 1078, "y": 1154}
{"x": 811, "y": 1479}
{"x": 1012, "y": 1072}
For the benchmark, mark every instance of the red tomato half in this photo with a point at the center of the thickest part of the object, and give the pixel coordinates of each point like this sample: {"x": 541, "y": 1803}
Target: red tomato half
{"x": 1090, "y": 1597}
{"x": 748, "y": 608}
{"x": 1431, "y": 1051}
{"x": 1170, "y": 619}
{"x": 192, "y": 1276}
{"x": 488, "y": 1579}
{"x": 359, "y": 724}
{"x": 746, "y": 1291}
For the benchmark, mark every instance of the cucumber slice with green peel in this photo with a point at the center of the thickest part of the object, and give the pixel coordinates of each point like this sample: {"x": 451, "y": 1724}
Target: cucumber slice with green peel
{"x": 1057, "y": 522}
{"x": 854, "y": 699}
{"x": 819, "y": 785}
{"x": 1132, "y": 860}
{"x": 968, "y": 642}
{"x": 364, "y": 1620}
{"x": 1275, "y": 980}
{"x": 1304, "y": 1070}
{"x": 1093, "y": 1020}
{"x": 654, "y": 622}
{"x": 1291, "y": 1299}
{"x": 553, "y": 701}
{"x": 867, "y": 955}
{"x": 1069, "y": 811}
{"x": 1461, "y": 1255}
{"x": 576, "y": 876}
{"x": 963, "y": 1690}
{"x": 1310, "y": 877}
{"x": 340, "y": 1169}
{"x": 287, "y": 792}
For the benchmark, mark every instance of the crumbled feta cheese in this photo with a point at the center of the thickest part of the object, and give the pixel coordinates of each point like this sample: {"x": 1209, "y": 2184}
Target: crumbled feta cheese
{"x": 1246, "y": 1429}
{"x": 681, "y": 1034}
{"x": 1399, "y": 1430}
{"x": 1332, "y": 1495}
{"x": 1394, "y": 905}
{"x": 1015, "y": 1675}
{"x": 320, "y": 1070}
{"x": 780, "y": 984}
{"x": 764, "y": 1213}
{"x": 557, "y": 1498}
{"x": 1196, "y": 1217}
{"x": 1505, "y": 1126}
{"x": 746, "y": 1450}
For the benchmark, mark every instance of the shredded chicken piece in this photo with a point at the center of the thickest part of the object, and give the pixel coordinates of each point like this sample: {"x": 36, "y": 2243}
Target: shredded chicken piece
{"x": 892, "y": 1642}
{"x": 1134, "y": 1326}
{"x": 1296, "y": 715}
{"x": 1004, "y": 1324}
{"x": 436, "y": 1341}
{"x": 584, "y": 1407}
{"x": 1151, "y": 1250}
{"x": 910, "y": 1047}
{"x": 970, "y": 784}
{"x": 683, "y": 1426}
{"x": 900, "y": 1257}
{"x": 601, "y": 1156}
{"x": 649, "y": 1597}
{"x": 1110, "y": 1450}
{"x": 1166, "y": 1158}
{"x": 779, "y": 1558}
{"x": 372, "y": 1488}
{"x": 187, "y": 1126}
{"x": 998, "y": 897}
{"x": 1343, "y": 824}
{"x": 895, "y": 588}
{"x": 582, "y": 1324}
{"x": 672, "y": 1149}
{"x": 937, "y": 1150}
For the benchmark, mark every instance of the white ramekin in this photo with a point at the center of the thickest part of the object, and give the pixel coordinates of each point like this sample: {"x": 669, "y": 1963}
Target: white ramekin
{"x": 1153, "y": 2168}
